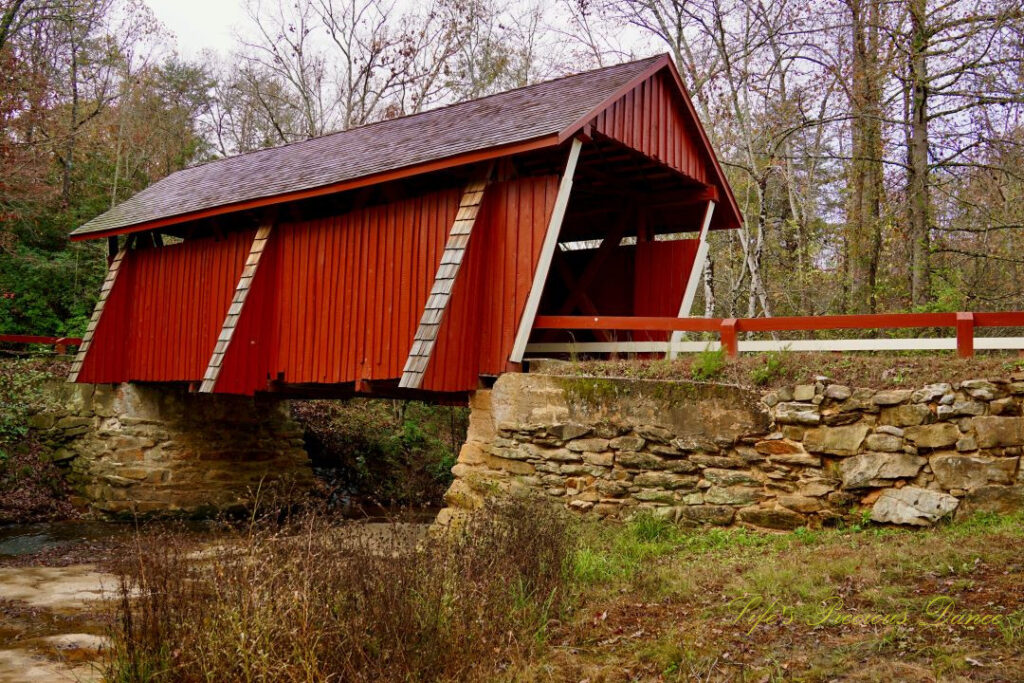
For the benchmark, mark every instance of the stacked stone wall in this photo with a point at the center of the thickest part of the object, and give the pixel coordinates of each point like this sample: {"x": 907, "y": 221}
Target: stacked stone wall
{"x": 811, "y": 454}
{"x": 136, "y": 449}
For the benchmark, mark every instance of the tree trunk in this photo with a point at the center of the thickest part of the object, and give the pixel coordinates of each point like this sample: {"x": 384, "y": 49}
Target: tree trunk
{"x": 864, "y": 224}
{"x": 7, "y": 17}
{"x": 69, "y": 151}
{"x": 755, "y": 252}
{"x": 918, "y": 199}
{"x": 709, "y": 289}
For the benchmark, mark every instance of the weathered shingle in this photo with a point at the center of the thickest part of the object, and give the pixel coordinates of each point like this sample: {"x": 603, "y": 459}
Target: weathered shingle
{"x": 503, "y": 119}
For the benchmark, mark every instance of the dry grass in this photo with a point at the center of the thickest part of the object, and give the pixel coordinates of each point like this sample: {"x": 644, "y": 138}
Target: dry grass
{"x": 311, "y": 601}
{"x": 525, "y": 595}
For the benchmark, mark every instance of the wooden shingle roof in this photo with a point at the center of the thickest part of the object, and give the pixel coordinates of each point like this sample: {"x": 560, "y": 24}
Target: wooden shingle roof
{"x": 534, "y": 116}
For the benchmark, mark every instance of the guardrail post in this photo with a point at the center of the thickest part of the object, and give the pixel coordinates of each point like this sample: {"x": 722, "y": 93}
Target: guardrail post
{"x": 728, "y": 334}
{"x": 965, "y": 335}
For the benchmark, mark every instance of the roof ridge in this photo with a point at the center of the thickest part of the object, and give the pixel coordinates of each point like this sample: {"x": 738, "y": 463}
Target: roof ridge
{"x": 451, "y": 105}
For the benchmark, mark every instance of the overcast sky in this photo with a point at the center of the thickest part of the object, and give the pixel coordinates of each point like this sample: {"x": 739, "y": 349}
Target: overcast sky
{"x": 200, "y": 24}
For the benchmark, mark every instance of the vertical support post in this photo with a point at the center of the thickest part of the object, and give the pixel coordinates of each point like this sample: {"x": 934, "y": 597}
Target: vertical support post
{"x": 728, "y": 333}
{"x": 540, "y": 276}
{"x": 965, "y": 335}
{"x": 696, "y": 272}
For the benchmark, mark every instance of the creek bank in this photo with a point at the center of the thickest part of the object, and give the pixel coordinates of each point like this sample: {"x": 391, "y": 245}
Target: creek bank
{"x": 810, "y": 454}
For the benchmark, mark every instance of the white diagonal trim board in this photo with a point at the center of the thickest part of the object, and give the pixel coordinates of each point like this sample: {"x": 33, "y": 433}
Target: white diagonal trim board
{"x": 547, "y": 252}
{"x": 227, "y": 330}
{"x": 696, "y": 272}
{"x": 444, "y": 282}
{"x": 97, "y": 313}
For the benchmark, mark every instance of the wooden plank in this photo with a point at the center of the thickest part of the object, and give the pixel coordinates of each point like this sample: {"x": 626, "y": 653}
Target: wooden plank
{"x": 965, "y": 334}
{"x": 609, "y": 322}
{"x": 796, "y": 345}
{"x": 891, "y": 321}
{"x": 728, "y": 336}
{"x": 35, "y": 339}
{"x": 241, "y": 294}
{"x": 999, "y": 319}
{"x": 547, "y": 253}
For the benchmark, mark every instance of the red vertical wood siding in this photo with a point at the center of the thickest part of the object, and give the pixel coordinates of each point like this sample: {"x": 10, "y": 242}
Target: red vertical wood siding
{"x": 489, "y": 295}
{"x": 166, "y": 310}
{"x": 649, "y": 120}
{"x": 246, "y": 367}
{"x": 662, "y": 271}
{"x": 103, "y": 362}
{"x": 338, "y": 299}
{"x": 351, "y": 288}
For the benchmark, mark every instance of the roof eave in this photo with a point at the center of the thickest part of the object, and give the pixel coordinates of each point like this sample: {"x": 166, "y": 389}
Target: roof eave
{"x": 665, "y": 61}
{"x": 706, "y": 141}
{"x": 577, "y": 125}
{"x": 551, "y": 140}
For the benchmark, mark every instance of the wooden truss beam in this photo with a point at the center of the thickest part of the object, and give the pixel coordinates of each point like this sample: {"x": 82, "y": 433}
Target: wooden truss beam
{"x": 585, "y": 304}
{"x": 227, "y": 330}
{"x": 444, "y": 282}
{"x": 696, "y": 273}
{"x": 540, "y": 276}
{"x": 611, "y": 242}
{"x": 97, "y": 313}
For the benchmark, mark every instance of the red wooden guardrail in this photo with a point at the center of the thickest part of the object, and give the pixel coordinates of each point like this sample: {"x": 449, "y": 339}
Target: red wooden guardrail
{"x": 60, "y": 344}
{"x": 729, "y": 328}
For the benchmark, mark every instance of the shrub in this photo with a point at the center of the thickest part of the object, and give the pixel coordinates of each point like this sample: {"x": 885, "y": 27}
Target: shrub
{"x": 398, "y": 452}
{"x": 708, "y": 365}
{"x": 32, "y": 488}
{"x": 772, "y": 369}
{"x": 316, "y": 601}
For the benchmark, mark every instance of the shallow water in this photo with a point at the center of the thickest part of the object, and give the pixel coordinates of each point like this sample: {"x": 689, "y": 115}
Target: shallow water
{"x": 17, "y": 540}
{"x": 28, "y": 539}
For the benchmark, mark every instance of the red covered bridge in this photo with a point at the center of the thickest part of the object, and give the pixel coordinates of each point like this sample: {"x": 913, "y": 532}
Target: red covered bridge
{"x": 412, "y": 255}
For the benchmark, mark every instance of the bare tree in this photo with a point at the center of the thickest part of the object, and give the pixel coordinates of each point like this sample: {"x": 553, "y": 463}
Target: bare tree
{"x": 284, "y": 51}
{"x": 955, "y": 55}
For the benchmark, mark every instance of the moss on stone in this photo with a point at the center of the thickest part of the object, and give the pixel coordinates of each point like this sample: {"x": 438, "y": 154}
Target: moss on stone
{"x": 590, "y": 390}
{"x": 593, "y": 390}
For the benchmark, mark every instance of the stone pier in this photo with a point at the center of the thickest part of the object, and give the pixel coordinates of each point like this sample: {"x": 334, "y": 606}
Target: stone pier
{"x": 136, "y": 449}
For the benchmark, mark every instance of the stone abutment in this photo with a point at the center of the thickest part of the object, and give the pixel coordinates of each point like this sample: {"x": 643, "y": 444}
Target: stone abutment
{"x": 703, "y": 454}
{"x": 141, "y": 450}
